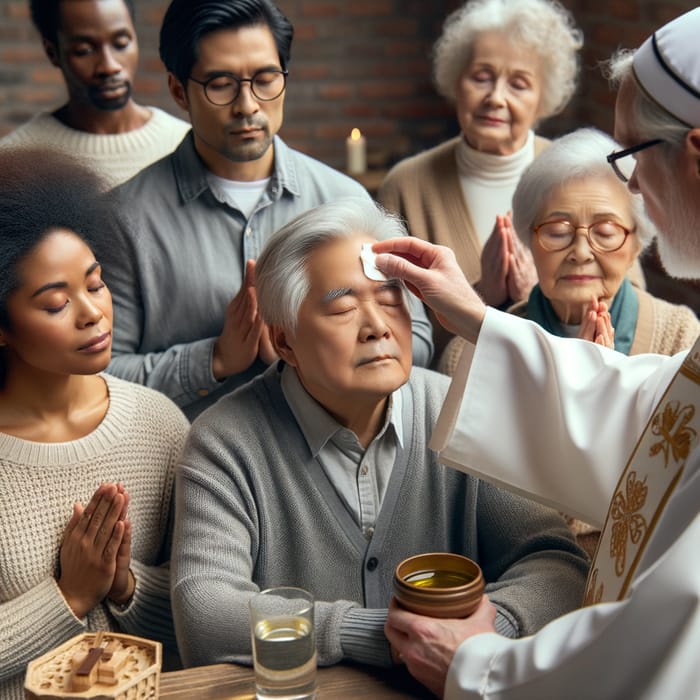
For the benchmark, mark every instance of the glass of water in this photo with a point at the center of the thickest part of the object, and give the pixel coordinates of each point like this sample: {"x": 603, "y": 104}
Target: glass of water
{"x": 284, "y": 644}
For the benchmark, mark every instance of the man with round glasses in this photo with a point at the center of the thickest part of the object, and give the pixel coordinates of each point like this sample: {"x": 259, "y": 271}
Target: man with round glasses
{"x": 182, "y": 275}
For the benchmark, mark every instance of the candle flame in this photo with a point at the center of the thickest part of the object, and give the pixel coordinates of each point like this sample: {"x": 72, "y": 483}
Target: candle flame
{"x": 355, "y": 134}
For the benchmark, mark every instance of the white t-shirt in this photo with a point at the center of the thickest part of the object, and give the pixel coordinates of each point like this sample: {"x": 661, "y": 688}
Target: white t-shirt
{"x": 238, "y": 194}
{"x": 489, "y": 181}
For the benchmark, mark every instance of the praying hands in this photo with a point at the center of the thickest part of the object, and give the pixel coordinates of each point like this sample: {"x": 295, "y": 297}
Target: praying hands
{"x": 96, "y": 551}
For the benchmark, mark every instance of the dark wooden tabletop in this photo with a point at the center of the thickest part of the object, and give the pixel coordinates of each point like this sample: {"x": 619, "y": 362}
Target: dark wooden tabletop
{"x": 341, "y": 682}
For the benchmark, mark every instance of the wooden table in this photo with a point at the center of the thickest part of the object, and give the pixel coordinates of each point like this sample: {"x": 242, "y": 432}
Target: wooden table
{"x": 341, "y": 682}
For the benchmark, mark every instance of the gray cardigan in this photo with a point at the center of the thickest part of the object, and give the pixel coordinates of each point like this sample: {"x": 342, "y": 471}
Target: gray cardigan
{"x": 255, "y": 510}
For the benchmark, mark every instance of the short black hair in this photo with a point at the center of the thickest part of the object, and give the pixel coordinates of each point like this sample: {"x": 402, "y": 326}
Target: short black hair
{"x": 42, "y": 190}
{"x": 46, "y": 16}
{"x": 187, "y": 21}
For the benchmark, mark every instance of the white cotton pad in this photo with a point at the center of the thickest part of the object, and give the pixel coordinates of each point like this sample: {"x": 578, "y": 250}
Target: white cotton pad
{"x": 370, "y": 269}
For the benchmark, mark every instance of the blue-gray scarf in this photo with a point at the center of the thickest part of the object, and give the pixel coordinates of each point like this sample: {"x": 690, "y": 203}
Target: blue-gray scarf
{"x": 623, "y": 315}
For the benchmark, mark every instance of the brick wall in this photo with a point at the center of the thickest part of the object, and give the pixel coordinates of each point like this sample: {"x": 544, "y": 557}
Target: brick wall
{"x": 361, "y": 63}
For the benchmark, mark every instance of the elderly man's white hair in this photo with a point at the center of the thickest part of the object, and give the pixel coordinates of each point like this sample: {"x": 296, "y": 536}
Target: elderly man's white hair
{"x": 651, "y": 121}
{"x": 661, "y": 84}
{"x": 281, "y": 279}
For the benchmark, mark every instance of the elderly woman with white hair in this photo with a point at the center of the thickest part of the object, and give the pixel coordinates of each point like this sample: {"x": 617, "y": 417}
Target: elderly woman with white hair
{"x": 585, "y": 230}
{"x": 506, "y": 66}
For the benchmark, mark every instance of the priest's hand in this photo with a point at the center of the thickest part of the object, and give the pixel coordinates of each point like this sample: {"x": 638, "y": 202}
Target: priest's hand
{"x": 432, "y": 273}
{"x": 427, "y": 645}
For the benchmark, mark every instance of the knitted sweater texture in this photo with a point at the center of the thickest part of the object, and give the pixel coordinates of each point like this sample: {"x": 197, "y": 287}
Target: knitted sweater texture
{"x": 254, "y": 509}
{"x": 117, "y": 157}
{"x": 137, "y": 444}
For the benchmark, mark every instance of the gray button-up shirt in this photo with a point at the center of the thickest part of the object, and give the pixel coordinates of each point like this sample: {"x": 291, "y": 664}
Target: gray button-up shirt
{"x": 359, "y": 475}
{"x": 178, "y": 258}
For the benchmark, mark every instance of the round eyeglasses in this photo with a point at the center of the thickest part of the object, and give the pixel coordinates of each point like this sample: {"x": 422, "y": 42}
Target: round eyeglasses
{"x": 623, "y": 162}
{"x": 603, "y": 236}
{"x": 223, "y": 89}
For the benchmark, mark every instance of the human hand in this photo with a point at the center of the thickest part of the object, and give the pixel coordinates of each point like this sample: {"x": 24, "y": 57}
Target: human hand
{"x": 522, "y": 274}
{"x": 427, "y": 645}
{"x": 495, "y": 263}
{"x": 124, "y": 583}
{"x": 266, "y": 350}
{"x": 432, "y": 273}
{"x": 91, "y": 542}
{"x": 596, "y": 324}
{"x": 237, "y": 347}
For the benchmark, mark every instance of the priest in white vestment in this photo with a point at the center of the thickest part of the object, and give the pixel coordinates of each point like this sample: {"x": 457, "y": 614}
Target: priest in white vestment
{"x": 561, "y": 419}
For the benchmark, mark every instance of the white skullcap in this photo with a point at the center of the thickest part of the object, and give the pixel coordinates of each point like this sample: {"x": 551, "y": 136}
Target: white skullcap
{"x": 667, "y": 66}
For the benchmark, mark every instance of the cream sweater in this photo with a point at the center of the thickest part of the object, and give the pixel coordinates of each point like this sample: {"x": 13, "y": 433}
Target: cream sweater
{"x": 137, "y": 443}
{"x": 118, "y": 157}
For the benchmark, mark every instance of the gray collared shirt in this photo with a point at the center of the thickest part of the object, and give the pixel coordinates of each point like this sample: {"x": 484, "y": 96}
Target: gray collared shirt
{"x": 178, "y": 258}
{"x": 360, "y": 476}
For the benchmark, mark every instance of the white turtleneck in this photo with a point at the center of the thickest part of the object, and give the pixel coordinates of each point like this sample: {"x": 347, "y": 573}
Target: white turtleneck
{"x": 489, "y": 181}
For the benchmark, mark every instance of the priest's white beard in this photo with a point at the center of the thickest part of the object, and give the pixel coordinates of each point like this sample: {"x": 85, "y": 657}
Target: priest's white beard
{"x": 679, "y": 244}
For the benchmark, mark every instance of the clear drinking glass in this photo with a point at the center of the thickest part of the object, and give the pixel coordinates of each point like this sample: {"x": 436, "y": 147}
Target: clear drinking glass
{"x": 284, "y": 644}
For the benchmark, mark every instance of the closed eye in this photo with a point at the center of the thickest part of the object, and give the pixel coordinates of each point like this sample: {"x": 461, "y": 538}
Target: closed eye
{"x": 391, "y": 295}
{"x": 56, "y": 309}
{"x": 482, "y": 76}
{"x": 342, "y": 312}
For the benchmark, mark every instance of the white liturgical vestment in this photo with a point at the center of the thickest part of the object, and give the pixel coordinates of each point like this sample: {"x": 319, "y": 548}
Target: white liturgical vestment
{"x": 556, "y": 419}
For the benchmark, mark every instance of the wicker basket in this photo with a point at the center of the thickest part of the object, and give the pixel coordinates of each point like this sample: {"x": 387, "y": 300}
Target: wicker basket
{"x": 51, "y": 676}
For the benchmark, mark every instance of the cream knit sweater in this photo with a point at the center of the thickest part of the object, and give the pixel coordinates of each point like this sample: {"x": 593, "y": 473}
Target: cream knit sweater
{"x": 137, "y": 444}
{"x": 117, "y": 157}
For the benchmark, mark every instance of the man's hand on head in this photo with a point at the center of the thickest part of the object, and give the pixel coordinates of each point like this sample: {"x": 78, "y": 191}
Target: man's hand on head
{"x": 432, "y": 273}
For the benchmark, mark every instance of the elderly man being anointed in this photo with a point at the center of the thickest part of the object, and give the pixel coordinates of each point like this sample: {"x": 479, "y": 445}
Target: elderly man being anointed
{"x": 317, "y": 473}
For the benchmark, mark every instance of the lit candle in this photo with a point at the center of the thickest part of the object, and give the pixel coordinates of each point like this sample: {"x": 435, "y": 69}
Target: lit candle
{"x": 356, "y": 148}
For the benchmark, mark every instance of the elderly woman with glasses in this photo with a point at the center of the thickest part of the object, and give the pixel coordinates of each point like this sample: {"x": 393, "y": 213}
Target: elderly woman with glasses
{"x": 585, "y": 230}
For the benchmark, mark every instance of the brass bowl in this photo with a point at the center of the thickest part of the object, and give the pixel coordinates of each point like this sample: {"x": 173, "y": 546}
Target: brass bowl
{"x": 439, "y": 584}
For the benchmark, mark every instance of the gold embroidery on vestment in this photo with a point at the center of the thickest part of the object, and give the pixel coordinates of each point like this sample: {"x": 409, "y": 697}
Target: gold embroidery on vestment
{"x": 628, "y": 521}
{"x": 671, "y": 418}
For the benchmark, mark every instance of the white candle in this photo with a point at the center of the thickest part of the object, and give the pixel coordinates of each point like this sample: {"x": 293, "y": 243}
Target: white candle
{"x": 356, "y": 149}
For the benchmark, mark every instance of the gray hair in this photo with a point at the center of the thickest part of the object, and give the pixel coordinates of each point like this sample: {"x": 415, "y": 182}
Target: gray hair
{"x": 579, "y": 155}
{"x": 281, "y": 279}
{"x": 651, "y": 120}
{"x": 544, "y": 26}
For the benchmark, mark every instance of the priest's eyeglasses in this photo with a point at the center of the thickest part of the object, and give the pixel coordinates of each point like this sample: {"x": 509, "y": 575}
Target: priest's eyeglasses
{"x": 623, "y": 162}
{"x": 223, "y": 88}
{"x": 603, "y": 236}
